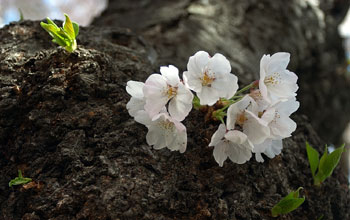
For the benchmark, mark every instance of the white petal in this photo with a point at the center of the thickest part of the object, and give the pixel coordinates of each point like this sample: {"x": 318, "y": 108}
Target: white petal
{"x": 278, "y": 61}
{"x": 260, "y": 148}
{"x": 263, "y": 90}
{"x": 220, "y": 152}
{"x": 238, "y": 108}
{"x": 171, "y": 75}
{"x": 283, "y": 126}
{"x": 155, "y": 85}
{"x": 142, "y": 117}
{"x": 259, "y": 158}
{"x": 287, "y": 107}
{"x": 135, "y": 105}
{"x": 156, "y": 137}
{"x": 154, "y": 106}
{"x": 218, "y": 135}
{"x": 274, "y": 149}
{"x": 219, "y": 64}
{"x": 240, "y": 149}
{"x": 134, "y": 88}
{"x": 236, "y": 136}
{"x": 181, "y": 104}
{"x": 180, "y": 142}
{"x": 225, "y": 84}
{"x": 192, "y": 81}
{"x": 208, "y": 96}
{"x": 264, "y": 62}
{"x": 197, "y": 62}
{"x": 239, "y": 153}
{"x": 269, "y": 115}
{"x": 179, "y": 126}
{"x": 255, "y": 128}
{"x": 285, "y": 86}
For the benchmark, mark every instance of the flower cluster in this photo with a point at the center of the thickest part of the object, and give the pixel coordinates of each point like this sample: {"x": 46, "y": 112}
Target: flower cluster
{"x": 257, "y": 116}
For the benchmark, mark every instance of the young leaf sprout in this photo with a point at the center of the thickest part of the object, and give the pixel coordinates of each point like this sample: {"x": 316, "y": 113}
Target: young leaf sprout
{"x": 64, "y": 36}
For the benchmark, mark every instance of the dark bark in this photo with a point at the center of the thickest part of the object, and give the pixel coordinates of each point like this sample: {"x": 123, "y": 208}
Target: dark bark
{"x": 244, "y": 30}
{"x": 63, "y": 122}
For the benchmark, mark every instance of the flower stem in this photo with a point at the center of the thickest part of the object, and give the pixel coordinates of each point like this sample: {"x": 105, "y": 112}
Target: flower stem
{"x": 222, "y": 120}
{"x": 244, "y": 89}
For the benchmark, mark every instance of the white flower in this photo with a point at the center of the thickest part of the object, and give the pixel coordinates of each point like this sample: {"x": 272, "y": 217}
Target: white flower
{"x": 275, "y": 79}
{"x": 262, "y": 103}
{"x": 269, "y": 147}
{"x": 278, "y": 114}
{"x": 244, "y": 113}
{"x": 281, "y": 126}
{"x": 164, "y": 131}
{"x": 137, "y": 101}
{"x": 159, "y": 89}
{"x": 210, "y": 77}
{"x": 233, "y": 144}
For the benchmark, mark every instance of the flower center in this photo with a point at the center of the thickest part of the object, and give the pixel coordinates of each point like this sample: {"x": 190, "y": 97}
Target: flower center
{"x": 256, "y": 94}
{"x": 277, "y": 116}
{"x": 241, "y": 119}
{"x": 206, "y": 79}
{"x": 167, "y": 125}
{"x": 273, "y": 79}
{"x": 171, "y": 92}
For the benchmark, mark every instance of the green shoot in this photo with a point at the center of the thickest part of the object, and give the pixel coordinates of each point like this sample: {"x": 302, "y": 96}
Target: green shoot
{"x": 196, "y": 103}
{"x": 288, "y": 203}
{"x": 21, "y": 17}
{"x": 64, "y": 36}
{"x": 320, "y": 218}
{"x": 19, "y": 180}
{"x": 325, "y": 165}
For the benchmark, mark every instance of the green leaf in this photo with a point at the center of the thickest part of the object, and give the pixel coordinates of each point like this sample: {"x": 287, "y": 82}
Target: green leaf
{"x": 320, "y": 177}
{"x": 54, "y": 33}
{"x": 332, "y": 161}
{"x": 288, "y": 203}
{"x": 76, "y": 28}
{"x": 313, "y": 157}
{"x": 196, "y": 102}
{"x": 21, "y": 17}
{"x": 19, "y": 180}
{"x": 64, "y": 36}
{"x": 327, "y": 164}
{"x": 49, "y": 21}
{"x": 320, "y": 218}
{"x": 68, "y": 27}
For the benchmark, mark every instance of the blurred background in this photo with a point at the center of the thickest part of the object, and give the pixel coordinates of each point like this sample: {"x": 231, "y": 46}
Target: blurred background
{"x": 81, "y": 11}
{"x": 84, "y": 11}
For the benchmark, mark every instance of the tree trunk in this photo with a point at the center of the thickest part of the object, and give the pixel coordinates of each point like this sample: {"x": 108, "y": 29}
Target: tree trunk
{"x": 63, "y": 120}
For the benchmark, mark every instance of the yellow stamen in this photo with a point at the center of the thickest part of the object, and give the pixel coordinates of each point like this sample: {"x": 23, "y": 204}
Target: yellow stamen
{"x": 172, "y": 91}
{"x": 207, "y": 80}
{"x": 241, "y": 119}
{"x": 167, "y": 125}
{"x": 273, "y": 79}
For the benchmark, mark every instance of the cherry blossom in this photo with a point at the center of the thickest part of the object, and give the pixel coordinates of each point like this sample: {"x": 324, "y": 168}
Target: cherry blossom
{"x": 137, "y": 102}
{"x": 275, "y": 80}
{"x": 281, "y": 126}
{"x": 244, "y": 114}
{"x": 269, "y": 147}
{"x": 210, "y": 77}
{"x": 160, "y": 89}
{"x": 164, "y": 131}
{"x": 232, "y": 144}
{"x": 256, "y": 122}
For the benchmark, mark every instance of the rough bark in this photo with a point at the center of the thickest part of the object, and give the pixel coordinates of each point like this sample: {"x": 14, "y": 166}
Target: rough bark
{"x": 63, "y": 122}
{"x": 244, "y": 30}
